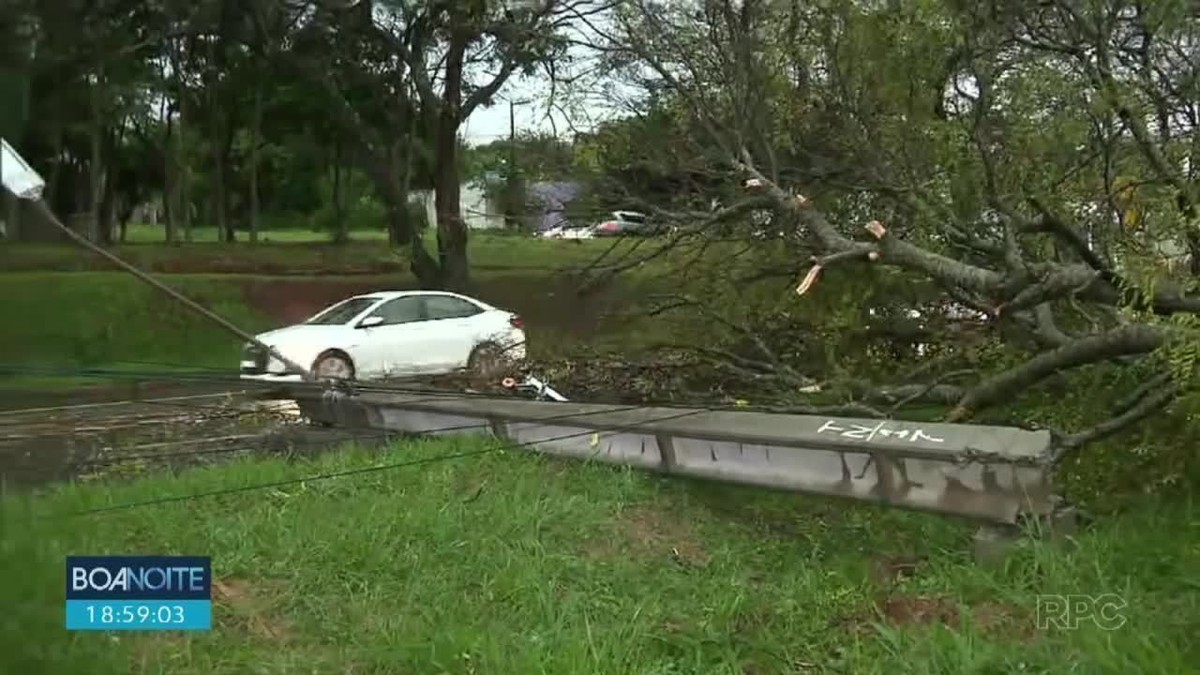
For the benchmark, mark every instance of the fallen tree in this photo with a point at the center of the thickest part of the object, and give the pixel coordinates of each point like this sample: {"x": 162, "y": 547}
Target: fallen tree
{"x": 1037, "y": 168}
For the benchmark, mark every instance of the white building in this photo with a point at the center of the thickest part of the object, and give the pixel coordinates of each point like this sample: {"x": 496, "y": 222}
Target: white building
{"x": 479, "y": 212}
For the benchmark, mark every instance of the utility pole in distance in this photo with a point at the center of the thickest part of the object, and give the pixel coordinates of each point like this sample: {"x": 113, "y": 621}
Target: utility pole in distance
{"x": 512, "y": 181}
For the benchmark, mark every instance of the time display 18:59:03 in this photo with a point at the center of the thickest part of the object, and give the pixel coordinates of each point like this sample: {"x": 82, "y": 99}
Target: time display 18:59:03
{"x": 136, "y": 613}
{"x": 139, "y": 615}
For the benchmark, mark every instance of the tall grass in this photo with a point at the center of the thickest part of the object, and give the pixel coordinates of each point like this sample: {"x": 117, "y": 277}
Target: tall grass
{"x": 514, "y": 563}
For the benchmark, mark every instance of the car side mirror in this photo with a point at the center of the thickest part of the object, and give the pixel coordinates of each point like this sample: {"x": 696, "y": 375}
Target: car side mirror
{"x": 370, "y": 322}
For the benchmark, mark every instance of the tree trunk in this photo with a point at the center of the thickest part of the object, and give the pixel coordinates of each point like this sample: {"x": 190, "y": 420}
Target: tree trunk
{"x": 182, "y": 174}
{"x": 108, "y": 206}
{"x": 395, "y": 192}
{"x": 96, "y": 174}
{"x": 391, "y": 177}
{"x": 451, "y": 230}
{"x": 341, "y": 233}
{"x": 255, "y": 142}
{"x": 181, "y": 195}
{"x": 422, "y": 265}
{"x": 170, "y": 179}
{"x": 220, "y": 198}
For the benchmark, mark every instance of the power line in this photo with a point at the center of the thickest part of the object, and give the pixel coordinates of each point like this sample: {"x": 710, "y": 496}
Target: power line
{"x": 343, "y": 439}
{"x": 363, "y": 470}
{"x": 116, "y": 459}
{"x": 427, "y": 393}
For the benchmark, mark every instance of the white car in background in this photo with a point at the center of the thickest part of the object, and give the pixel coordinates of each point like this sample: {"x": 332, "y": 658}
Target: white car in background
{"x": 563, "y": 232}
{"x": 391, "y": 334}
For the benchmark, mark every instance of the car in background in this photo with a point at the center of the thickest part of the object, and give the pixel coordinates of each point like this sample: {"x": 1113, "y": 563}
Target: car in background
{"x": 391, "y": 334}
{"x": 626, "y": 224}
{"x": 567, "y": 232}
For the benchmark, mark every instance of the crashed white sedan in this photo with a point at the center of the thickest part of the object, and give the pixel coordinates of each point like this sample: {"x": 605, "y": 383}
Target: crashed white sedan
{"x": 390, "y": 334}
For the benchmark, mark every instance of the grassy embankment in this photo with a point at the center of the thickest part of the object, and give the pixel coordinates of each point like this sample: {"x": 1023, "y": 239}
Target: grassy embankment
{"x": 513, "y": 563}
{"x": 68, "y": 309}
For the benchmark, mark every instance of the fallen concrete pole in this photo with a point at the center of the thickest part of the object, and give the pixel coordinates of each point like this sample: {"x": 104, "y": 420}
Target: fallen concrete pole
{"x": 996, "y": 475}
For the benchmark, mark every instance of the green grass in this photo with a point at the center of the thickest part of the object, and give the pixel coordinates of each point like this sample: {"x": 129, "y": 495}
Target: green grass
{"x": 515, "y": 563}
{"x": 145, "y": 233}
{"x": 292, "y": 252}
{"x": 107, "y": 320}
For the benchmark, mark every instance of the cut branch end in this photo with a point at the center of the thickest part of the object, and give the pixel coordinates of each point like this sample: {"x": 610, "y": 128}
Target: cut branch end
{"x": 809, "y": 280}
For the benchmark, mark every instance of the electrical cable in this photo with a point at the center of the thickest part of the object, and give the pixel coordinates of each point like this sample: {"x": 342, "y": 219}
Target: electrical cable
{"x": 116, "y": 459}
{"x": 353, "y": 472}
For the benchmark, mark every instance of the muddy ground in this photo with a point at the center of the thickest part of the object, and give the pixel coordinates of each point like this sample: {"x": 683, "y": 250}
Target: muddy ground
{"x": 130, "y": 438}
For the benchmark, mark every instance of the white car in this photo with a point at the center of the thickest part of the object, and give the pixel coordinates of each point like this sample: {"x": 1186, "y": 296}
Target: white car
{"x": 391, "y": 334}
{"x": 561, "y": 232}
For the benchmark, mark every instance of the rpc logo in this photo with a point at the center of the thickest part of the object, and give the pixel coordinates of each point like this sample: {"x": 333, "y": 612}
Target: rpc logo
{"x": 1065, "y": 612}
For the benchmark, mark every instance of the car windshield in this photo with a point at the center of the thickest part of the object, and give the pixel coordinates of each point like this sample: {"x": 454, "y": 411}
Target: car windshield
{"x": 630, "y": 217}
{"x": 342, "y": 312}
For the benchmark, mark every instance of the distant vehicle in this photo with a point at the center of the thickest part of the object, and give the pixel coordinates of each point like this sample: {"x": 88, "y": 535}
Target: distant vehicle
{"x": 567, "y": 232}
{"x": 391, "y": 334}
{"x": 624, "y": 224}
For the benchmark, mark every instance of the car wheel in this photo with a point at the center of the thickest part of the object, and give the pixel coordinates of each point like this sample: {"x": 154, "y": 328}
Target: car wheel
{"x": 486, "y": 360}
{"x": 333, "y": 366}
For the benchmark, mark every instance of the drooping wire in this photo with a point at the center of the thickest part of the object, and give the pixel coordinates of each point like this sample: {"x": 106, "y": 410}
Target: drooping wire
{"x": 370, "y": 469}
{"x": 372, "y": 434}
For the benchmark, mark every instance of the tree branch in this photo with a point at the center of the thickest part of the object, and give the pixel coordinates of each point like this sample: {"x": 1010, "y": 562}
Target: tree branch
{"x": 1127, "y": 340}
{"x": 1150, "y": 403}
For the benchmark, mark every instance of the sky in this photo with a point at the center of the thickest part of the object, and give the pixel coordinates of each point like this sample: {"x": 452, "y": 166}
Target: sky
{"x": 532, "y": 95}
{"x": 488, "y": 124}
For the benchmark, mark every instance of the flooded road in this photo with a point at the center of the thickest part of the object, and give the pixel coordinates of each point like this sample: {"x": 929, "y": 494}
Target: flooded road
{"x": 94, "y": 440}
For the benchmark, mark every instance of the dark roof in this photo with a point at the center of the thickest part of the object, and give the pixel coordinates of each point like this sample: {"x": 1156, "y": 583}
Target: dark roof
{"x": 557, "y": 194}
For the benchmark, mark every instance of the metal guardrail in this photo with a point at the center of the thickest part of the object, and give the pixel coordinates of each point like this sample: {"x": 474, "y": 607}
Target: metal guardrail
{"x": 993, "y": 474}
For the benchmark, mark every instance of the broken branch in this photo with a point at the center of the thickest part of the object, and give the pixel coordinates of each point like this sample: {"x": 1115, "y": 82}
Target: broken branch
{"x": 1124, "y": 341}
{"x": 1148, "y": 405}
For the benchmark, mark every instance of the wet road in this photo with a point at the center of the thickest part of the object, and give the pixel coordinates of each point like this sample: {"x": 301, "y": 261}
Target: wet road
{"x": 92, "y": 440}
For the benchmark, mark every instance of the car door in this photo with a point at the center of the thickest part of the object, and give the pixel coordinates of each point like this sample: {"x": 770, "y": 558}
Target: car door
{"x": 451, "y": 322}
{"x": 402, "y": 343}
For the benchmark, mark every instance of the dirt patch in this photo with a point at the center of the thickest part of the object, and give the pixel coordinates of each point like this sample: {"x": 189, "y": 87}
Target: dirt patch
{"x": 995, "y": 619}
{"x": 887, "y": 571}
{"x": 999, "y": 618}
{"x": 645, "y": 532}
{"x": 248, "y": 607}
{"x": 288, "y": 301}
{"x": 919, "y": 611}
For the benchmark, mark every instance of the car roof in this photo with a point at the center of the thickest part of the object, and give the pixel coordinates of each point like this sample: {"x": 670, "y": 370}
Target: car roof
{"x": 390, "y": 295}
